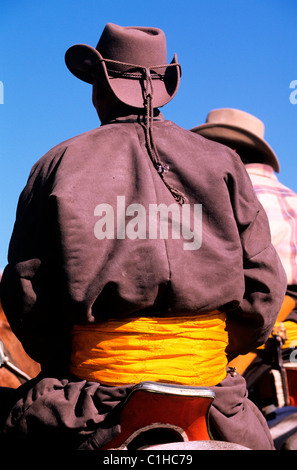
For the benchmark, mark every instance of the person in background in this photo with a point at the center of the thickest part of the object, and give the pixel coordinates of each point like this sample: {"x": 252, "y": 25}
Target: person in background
{"x": 244, "y": 133}
{"x": 91, "y": 292}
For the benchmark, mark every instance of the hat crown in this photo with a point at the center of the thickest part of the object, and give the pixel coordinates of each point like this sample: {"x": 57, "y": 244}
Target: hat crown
{"x": 234, "y": 128}
{"x": 120, "y": 57}
{"x": 237, "y": 118}
{"x": 142, "y": 46}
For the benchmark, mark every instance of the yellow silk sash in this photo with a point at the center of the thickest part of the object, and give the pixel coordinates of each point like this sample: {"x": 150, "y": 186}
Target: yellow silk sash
{"x": 188, "y": 350}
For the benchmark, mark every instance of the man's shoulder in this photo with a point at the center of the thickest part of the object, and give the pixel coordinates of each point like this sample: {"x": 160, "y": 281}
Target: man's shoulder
{"x": 85, "y": 139}
{"x": 75, "y": 143}
{"x": 201, "y": 146}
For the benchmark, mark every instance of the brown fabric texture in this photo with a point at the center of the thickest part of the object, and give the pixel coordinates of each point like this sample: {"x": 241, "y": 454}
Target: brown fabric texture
{"x": 63, "y": 414}
{"x": 234, "y": 418}
{"x": 60, "y": 274}
{"x": 74, "y": 414}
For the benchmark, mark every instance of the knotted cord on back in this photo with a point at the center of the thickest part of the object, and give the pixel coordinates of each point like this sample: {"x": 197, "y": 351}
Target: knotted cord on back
{"x": 162, "y": 168}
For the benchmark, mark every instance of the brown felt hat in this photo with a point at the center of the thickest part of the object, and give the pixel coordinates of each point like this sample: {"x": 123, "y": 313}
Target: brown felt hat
{"x": 128, "y": 55}
{"x": 233, "y": 126}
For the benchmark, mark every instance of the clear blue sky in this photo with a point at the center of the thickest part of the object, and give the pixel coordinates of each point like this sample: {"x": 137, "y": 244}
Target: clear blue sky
{"x": 234, "y": 53}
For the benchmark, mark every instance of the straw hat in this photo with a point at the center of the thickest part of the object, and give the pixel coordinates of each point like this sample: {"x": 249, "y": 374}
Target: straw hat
{"x": 128, "y": 57}
{"x": 232, "y": 126}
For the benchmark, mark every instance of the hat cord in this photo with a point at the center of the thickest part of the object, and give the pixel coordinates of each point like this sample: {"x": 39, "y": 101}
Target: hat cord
{"x": 138, "y": 75}
{"x": 162, "y": 168}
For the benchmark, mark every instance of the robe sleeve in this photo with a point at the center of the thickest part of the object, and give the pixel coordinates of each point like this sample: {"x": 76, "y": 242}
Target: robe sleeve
{"x": 30, "y": 282}
{"x": 251, "y": 323}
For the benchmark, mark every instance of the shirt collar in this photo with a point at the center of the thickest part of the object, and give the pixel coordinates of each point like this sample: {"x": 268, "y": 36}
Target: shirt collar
{"x": 261, "y": 169}
{"x": 133, "y": 118}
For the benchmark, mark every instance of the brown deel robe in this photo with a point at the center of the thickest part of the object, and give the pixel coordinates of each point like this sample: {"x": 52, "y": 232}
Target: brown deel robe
{"x": 59, "y": 273}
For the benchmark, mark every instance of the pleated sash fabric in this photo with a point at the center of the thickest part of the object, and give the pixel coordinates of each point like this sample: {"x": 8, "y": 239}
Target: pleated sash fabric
{"x": 189, "y": 350}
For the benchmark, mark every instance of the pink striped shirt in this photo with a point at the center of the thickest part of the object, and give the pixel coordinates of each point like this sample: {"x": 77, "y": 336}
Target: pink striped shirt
{"x": 280, "y": 204}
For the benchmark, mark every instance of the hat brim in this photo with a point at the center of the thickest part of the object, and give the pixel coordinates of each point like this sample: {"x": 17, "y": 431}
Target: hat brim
{"x": 82, "y": 61}
{"x": 237, "y": 135}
